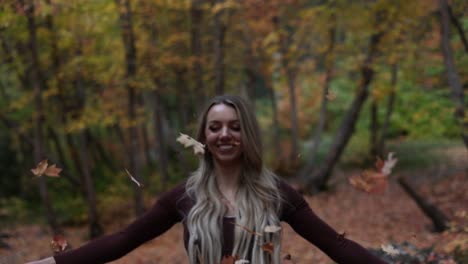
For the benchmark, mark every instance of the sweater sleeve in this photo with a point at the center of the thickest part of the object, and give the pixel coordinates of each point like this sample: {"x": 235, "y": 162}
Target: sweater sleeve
{"x": 297, "y": 213}
{"x": 162, "y": 216}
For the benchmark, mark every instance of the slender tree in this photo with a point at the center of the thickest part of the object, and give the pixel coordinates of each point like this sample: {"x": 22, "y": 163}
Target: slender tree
{"x": 126, "y": 23}
{"x": 452, "y": 74}
{"x": 29, "y": 7}
{"x": 319, "y": 178}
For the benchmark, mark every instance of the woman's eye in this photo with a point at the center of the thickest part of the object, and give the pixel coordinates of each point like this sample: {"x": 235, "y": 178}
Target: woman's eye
{"x": 236, "y": 127}
{"x": 213, "y": 128}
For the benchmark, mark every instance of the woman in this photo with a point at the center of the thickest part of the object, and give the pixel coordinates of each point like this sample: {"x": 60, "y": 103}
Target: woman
{"x": 226, "y": 203}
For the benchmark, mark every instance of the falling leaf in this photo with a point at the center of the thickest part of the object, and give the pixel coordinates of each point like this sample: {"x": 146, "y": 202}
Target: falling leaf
{"x": 389, "y": 164}
{"x": 370, "y": 182}
{"x": 53, "y": 171}
{"x": 133, "y": 179}
{"x": 272, "y": 229}
{"x": 42, "y": 168}
{"x": 268, "y": 247}
{"x": 59, "y": 243}
{"x": 198, "y": 148}
{"x": 390, "y": 250}
{"x": 379, "y": 164}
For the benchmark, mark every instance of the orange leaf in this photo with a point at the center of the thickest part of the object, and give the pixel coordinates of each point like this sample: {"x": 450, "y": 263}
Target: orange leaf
{"x": 268, "y": 247}
{"x": 53, "y": 171}
{"x": 59, "y": 244}
{"x": 379, "y": 164}
{"x": 40, "y": 168}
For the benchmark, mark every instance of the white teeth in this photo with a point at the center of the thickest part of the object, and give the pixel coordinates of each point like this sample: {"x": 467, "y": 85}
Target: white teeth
{"x": 225, "y": 147}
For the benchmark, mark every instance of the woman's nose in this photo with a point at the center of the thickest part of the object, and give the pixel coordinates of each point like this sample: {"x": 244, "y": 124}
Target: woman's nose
{"x": 225, "y": 132}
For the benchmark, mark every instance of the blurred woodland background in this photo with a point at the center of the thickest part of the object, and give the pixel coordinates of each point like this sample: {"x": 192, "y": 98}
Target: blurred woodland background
{"x": 101, "y": 86}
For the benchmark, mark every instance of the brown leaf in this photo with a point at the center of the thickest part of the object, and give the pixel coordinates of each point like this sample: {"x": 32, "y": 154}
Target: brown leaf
{"x": 379, "y": 164}
{"x": 59, "y": 244}
{"x": 40, "y": 168}
{"x": 268, "y": 247}
{"x": 53, "y": 171}
{"x": 370, "y": 182}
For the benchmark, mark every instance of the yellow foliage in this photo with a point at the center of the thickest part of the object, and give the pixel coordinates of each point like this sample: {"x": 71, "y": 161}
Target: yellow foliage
{"x": 21, "y": 102}
{"x": 229, "y": 4}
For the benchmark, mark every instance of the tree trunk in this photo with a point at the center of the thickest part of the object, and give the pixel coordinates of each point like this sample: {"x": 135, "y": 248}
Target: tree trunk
{"x": 95, "y": 228}
{"x": 74, "y": 164}
{"x": 452, "y": 74}
{"x": 38, "y": 115}
{"x": 196, "y": 14}
{"x": 219, "y": 32}
{"x": 459, "y": 28}
{"x": 388, "y": 115}
{"x": 145, "y": 149}
{"x": 329, "y": 64}
{"x": 125, "y": 16}
{"x": 291, "y": 77}
{"x": 374, "y": 129}
{"x": 275, "y": 122}
{"x": 160, "y": 138}
{"x": 439, "y": 220}
{"x": 319, "y": 178}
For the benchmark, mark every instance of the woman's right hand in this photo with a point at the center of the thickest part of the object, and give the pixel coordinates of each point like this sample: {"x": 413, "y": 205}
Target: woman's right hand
{"x": 49, "y": 260}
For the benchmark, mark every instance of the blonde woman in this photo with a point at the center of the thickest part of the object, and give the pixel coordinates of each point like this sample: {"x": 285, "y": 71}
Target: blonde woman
{"x": 229, "y": 193}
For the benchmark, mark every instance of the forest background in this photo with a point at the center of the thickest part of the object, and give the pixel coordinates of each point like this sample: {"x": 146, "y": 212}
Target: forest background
{"x": 101, "y": 87}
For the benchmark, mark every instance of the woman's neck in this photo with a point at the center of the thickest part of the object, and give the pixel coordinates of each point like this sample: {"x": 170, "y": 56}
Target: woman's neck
{"x": 227, "y": 178}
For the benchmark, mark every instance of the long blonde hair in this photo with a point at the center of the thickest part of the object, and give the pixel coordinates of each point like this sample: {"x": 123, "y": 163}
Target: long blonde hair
{"x": 258, "y": 198}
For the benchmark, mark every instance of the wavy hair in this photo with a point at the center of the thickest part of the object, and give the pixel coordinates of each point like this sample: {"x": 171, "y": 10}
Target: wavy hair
{"x": 258, "y": 197}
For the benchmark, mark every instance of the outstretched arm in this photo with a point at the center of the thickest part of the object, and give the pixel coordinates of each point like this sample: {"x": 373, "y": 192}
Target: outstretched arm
{"x": 307, "y": 224}
{"x": 162, "y": 216}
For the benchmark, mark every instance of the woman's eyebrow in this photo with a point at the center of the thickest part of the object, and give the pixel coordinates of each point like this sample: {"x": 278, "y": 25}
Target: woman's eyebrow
{"x": 220, "y": 121}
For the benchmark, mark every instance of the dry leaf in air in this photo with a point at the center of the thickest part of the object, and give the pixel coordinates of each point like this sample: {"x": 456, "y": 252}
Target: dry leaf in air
{"x": 272, "y": 229}
{"x": 59, "y": 244}
{"x": 198, "y": 148}
{"x": 389, "y": 164}
{"x": 133, "y": 179}
{"x": 370, "y": 182}
{"x": 44, "y": 168}
{"x": 268, "y": 247}
{"x": 390, "y": 250}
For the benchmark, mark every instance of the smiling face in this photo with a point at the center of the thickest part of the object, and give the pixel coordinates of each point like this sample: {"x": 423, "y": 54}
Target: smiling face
{"x": 223, "y": 134}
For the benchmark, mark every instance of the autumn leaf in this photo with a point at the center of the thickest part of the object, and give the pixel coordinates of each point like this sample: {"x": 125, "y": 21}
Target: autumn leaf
{"x": 53, "y": 171}
{"x": 59, "y": 244}
{"x": 133, "y": 179}
{"x": 390, "y": 250}
{"x": 268, "y": 247}
{"x": 42, "y": 168}
{"x": 389, "y": 164}
{"x": 198, "y": 148}
{"x": 272, "y": 229}
{"x": 370, "y": 182}
{"x": 375, "y": 181}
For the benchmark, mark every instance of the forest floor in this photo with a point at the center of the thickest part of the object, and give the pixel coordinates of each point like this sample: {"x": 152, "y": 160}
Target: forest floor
{"x": 371, "y": 220}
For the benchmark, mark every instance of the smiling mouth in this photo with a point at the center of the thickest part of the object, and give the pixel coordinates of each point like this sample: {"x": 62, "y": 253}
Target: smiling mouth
{"x": 225, "y": 147}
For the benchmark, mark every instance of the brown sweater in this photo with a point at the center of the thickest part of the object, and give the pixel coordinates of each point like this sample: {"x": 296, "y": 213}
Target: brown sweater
{"x": 174, "y": 206}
